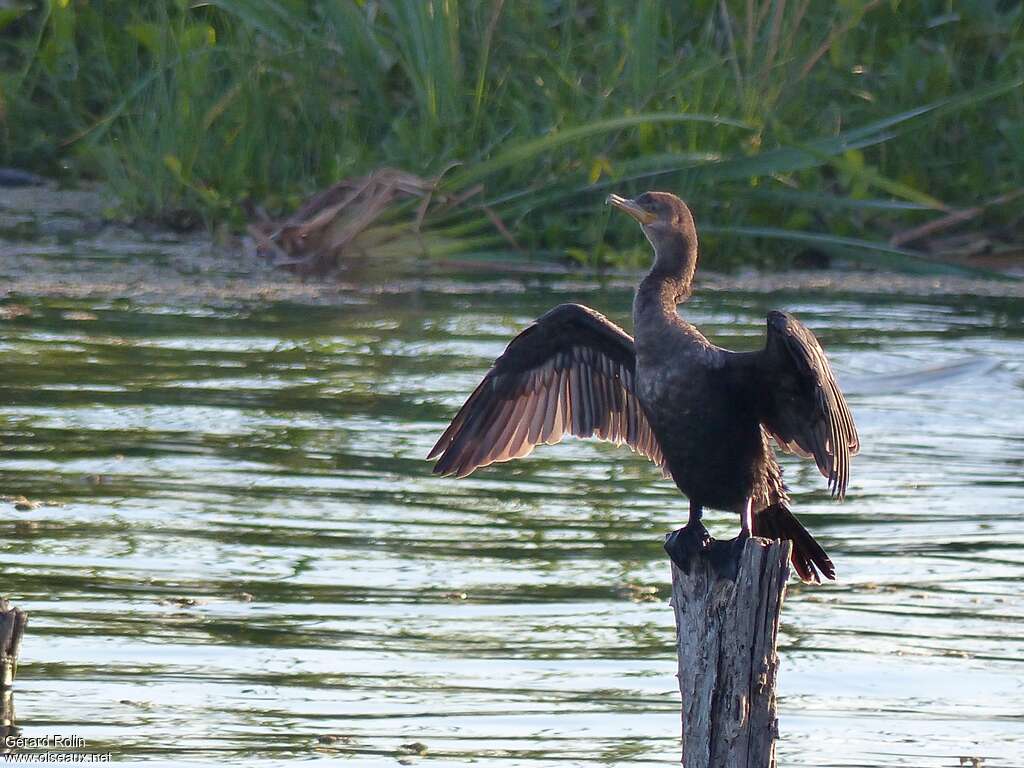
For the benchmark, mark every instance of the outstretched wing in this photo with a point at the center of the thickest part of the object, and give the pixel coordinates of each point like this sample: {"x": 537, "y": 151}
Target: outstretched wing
{"x": 571, "y": 372}
{"x": 801, "y": 405}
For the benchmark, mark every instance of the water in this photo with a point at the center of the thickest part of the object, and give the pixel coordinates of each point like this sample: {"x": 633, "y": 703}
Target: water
{"x": 243, "y": 558}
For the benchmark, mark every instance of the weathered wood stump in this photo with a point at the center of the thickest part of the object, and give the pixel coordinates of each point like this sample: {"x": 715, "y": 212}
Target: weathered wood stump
{"x": 727, "y": 623}
{"x": 12, "y": 629}
{"x": 8, "y": 721}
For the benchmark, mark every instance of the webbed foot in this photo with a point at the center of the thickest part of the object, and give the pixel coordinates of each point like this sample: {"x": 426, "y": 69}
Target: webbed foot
{"x": 686, "y": 543}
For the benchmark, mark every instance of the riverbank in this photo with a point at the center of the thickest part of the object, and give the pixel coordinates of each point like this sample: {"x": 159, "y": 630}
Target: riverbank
{"x": 61, "y": 243}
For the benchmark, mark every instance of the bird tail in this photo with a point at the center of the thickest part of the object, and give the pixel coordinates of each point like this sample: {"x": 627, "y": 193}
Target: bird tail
{"x": 777, "y": 522}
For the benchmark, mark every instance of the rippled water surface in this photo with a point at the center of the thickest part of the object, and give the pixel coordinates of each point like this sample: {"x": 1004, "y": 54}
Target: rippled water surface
{"x": 241, "y": 555}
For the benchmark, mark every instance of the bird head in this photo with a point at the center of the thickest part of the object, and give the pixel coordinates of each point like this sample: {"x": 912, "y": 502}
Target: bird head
{"x": 666, "y": 221}
{"x": 655, "y": 210}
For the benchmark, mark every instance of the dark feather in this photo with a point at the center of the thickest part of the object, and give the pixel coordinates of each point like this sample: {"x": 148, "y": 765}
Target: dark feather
{"x": 808, "y": 558}
{"x": 572, "y": 371}
{"x": 801, "y": 404}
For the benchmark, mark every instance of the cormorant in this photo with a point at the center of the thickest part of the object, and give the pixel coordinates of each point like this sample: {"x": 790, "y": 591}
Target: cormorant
{"x": 702, "y": 413}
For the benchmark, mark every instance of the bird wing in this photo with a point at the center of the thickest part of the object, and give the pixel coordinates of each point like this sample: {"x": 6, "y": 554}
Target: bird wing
{"x": 801, "y": 404}
{"x": 572, "y": 371}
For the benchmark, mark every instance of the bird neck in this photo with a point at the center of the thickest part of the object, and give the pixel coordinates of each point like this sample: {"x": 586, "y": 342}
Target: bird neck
{"x": 669, "y": 282}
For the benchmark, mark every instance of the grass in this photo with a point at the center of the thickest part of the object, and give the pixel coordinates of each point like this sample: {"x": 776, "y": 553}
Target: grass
{"x": 788, "y": 125}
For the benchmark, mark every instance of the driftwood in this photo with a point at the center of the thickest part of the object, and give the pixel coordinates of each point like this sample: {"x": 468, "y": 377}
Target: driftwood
{"x": 952, "y": 219}
{"x": 361, "y": 216}
{"x": 726, "y": 629}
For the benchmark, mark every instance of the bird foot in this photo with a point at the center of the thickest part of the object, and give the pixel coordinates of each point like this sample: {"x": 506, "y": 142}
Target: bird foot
{"x": 686, "y": 543}
{"x": 693, "y": 540}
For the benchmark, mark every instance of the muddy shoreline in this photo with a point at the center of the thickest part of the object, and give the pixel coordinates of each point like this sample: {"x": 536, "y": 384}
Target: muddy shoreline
{"x": 63, "y": 243}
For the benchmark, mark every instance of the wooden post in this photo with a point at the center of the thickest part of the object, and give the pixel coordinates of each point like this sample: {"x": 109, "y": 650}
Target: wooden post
{"x": 727, "y": 623}
{"x": 12, "y": 629}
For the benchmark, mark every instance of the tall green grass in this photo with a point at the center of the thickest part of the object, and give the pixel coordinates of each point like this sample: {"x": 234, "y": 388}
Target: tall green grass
{"x": 764, "y": 113}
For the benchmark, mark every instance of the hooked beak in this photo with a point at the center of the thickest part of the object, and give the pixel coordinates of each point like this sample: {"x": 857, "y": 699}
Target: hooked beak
{"x": 634, "y": 210}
